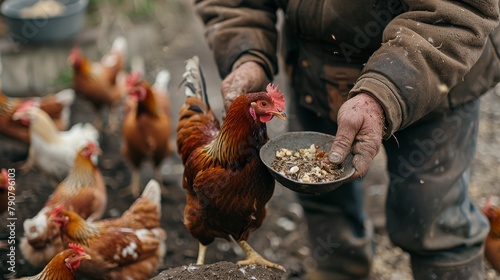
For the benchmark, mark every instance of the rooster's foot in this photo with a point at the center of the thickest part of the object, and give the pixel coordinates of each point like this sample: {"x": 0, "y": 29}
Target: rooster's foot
{"x": 255, "y": 258}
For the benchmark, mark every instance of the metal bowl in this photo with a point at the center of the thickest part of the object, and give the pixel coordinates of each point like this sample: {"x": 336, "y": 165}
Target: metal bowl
{"x": 46, "y": 28}
{"x": 300, "y": 140}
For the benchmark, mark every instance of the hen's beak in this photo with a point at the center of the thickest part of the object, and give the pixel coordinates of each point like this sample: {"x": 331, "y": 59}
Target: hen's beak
{"x": 280, "y": 115}
{"x": 85, "y": 257}
{"x": 97, "y": 151}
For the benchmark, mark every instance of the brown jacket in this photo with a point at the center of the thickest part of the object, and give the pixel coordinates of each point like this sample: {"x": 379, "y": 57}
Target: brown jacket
{"x": 406, "y": 54}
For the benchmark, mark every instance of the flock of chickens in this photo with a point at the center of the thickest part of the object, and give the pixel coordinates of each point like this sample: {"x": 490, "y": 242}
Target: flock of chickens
{"x": 227, "y": 186}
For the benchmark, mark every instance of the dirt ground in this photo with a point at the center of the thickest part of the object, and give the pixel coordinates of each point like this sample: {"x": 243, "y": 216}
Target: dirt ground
{"x": 283, "y": 236}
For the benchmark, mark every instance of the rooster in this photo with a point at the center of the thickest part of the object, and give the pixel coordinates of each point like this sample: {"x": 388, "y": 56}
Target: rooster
{"x": 63, "y": 266}
{"x": 51, "y": 150}
{"x": 227, "y": 186}
{"x": 83, "y": 191}
{"x": 100, "y": 82}
{"x": 58, "y": 106}
{"x": 4, "y": 190}
{"x": 492, "y": 243}
{"x": 129, "y": 247}
{"x": 147, "y": 125}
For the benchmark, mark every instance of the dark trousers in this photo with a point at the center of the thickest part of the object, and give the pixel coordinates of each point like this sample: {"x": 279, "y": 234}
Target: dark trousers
{"x": 429, "y": 214}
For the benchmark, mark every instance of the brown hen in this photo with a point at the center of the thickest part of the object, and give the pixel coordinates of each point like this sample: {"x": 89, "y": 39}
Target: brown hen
{"x": 56, "y": 105}
{"x": 147, "y": 125}
{"x": 227, "y": 186}
{"x": 129, "y": 247}
{"x": 63, "y": 266}
{"x": 99, "y": 82}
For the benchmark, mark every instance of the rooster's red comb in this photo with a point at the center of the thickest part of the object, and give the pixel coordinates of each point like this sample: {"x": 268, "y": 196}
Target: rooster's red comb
{"x": 77, "y": 248}
{"x": 277, "y": 97}
{"x": 57, "y": 210}
{"x": 133, "y": 78}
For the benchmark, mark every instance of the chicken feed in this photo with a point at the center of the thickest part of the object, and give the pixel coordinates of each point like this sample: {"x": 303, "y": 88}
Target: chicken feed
{"x": 308, "y": 165}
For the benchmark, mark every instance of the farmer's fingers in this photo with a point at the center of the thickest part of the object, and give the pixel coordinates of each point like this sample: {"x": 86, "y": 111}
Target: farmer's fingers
{"x": 342, "y": 143}
{"x": 364, "y": 152}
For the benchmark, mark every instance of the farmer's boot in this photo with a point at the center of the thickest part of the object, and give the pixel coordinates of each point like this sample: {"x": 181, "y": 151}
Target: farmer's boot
{"x": 472, "y": 269}
{"x": 340, "y": 234}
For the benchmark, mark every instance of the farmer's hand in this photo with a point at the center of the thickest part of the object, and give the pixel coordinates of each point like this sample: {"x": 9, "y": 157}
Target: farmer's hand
{"x": 360, "y": 126}
{"x": 248, "y": 77}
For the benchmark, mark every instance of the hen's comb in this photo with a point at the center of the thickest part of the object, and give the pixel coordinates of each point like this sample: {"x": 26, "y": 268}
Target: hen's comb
{"x": 77, "y": 248}
{"x": 132, "y": 79}
{"x": 91, "y": 145}
{"x": 75, "y": 52}
{"x": 487, "y": 205}
{"x": 26, "y": 105}
{"x": 277, "y": 97}
{"x": 57, "y": 210}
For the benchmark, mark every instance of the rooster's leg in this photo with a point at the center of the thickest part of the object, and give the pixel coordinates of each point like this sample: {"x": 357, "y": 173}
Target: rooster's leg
{"x": 202, "y": 251}
{"x": 30, "y": 161}
{"x": 113, "y": 118}
{"x": 134, "y": 186}
{"x": 98, "y": 120}
{"x": 135, "y": 182}
{"x": 255, "y": 258}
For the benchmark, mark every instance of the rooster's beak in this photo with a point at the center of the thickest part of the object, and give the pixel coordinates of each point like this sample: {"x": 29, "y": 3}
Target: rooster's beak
{"x": 85, "y": 257}
{"x": 280, "y": 115}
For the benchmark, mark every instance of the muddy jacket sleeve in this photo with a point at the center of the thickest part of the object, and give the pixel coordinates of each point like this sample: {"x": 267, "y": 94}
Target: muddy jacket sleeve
{"x": 239, "y": 31}
{"x": 426, "y": 51}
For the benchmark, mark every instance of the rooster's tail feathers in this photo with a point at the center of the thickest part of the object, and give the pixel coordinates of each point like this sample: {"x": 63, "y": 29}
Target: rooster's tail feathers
{"x": 162, "y": 81}
{"x": 119, "y": 45}
{"x": 194, "y": 80}
{"x": 137, "y": 65}
{"x": 91, "y": 132}
{"x": 82, "y": 133}
{"x": 152, "y": 192}
{"x": 66, "y": 96}
{"x": 118, "y": 49}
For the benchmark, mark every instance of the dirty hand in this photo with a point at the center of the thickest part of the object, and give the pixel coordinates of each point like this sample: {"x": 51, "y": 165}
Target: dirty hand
{"x": 360, "y": 126}
{"x": 248, "y": 77}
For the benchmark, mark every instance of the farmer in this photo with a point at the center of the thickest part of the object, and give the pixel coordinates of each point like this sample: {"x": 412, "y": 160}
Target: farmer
{"x": 408, "y": 73}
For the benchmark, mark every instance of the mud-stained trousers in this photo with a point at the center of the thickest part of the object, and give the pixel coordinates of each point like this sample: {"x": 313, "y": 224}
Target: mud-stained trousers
{"x": 429, "y": 214}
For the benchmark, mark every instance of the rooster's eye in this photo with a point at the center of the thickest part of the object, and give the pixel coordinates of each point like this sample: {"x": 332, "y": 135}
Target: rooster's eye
{"x": 264, "y": 103}
{"x": 73, "y": 256}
